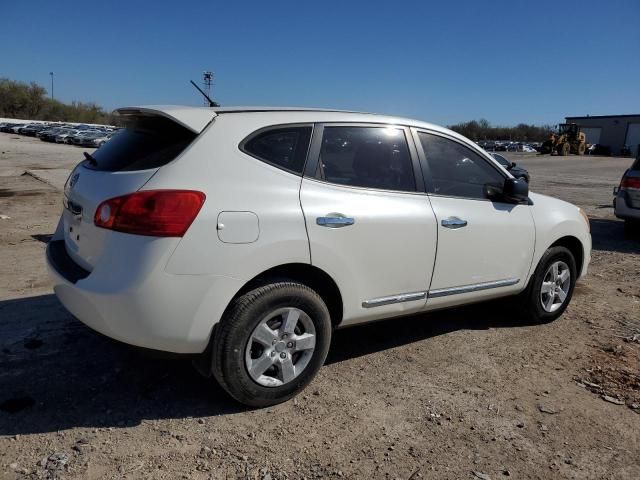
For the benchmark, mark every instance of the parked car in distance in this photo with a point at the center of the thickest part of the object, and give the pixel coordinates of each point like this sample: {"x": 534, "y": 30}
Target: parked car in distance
{"x": 33, "y": 129}
{"x": 90, "y": 138}
{"x": 65, "y": 135}
{"x": 49, "y": 135}
{"x": 626, "y": 202}
{"x": 8, "y": 127}
{"x": 247, "y": 235}
{"x": 500, "y": 147}
{"x": 513, "y": 169}
{"x": 598, "y": 149}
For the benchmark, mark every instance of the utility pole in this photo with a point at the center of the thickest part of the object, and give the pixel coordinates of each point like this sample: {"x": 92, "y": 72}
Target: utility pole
{"x": 51, "y": 73}
{"x": 207, "y": 80}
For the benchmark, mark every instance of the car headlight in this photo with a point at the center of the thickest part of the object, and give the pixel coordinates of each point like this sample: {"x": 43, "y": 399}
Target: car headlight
{"x": 586, "y": 219}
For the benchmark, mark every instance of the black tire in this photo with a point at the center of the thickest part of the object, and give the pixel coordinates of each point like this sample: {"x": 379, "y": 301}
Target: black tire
{"x": 530, "y": 301}
{"x": 237, "y": 325}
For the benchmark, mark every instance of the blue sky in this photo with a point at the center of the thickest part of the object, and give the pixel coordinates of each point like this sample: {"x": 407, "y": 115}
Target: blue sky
{"x": 445, "y": 62}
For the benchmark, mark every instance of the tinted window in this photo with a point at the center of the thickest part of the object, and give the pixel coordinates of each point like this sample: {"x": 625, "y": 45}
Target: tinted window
{"x": 373, "y": 157}
{"x": 146, "y": 142}
{"x": 283, "y": 147}
{"x": 501, "y": 160}
{"x": 456, "y": 170}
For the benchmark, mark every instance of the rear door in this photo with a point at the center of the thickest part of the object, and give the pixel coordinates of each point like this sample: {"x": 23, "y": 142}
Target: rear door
{"x": 119, "y": 167}
{"x": 369, "y": 222}
{"x": 485, "y": 247}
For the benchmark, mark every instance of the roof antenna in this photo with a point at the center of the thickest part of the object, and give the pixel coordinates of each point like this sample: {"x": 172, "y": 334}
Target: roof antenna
{"x": 211, "y": 102}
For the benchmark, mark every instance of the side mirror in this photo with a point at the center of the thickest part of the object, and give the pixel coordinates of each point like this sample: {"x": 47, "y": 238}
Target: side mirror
{"x": 513, "y": 164}
{"x": 515, "y": 190}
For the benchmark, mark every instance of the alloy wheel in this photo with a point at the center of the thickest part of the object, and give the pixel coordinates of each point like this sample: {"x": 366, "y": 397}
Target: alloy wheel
{"x": 555, "y": 286}
{"x": 280, "y": 347}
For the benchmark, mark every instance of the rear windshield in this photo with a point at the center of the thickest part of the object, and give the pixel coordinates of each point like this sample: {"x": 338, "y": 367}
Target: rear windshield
{"x": 145, "y": 142}
{"x": 636, "y": 164}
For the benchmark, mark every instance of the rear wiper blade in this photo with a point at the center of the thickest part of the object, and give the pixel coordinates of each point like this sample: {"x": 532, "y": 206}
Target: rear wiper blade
{"x": 91, "y": 159}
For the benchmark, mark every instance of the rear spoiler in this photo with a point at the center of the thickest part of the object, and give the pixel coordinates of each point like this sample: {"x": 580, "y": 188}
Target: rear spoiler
{"x": 192, "y": 118}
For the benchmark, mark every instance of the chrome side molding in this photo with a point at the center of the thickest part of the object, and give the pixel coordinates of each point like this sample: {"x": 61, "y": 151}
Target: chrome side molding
{"x": 440, "y": 292}
{"x": 405, "y": 297}
{"x": 443, "y": 292}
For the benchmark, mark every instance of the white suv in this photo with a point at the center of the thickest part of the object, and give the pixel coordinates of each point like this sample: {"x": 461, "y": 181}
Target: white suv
{"x": 247, "y": 235}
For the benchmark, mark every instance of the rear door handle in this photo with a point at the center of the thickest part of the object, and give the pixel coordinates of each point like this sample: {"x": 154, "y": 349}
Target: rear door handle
{"x": 453, "y": 222}
{"x": 335, "y": 220}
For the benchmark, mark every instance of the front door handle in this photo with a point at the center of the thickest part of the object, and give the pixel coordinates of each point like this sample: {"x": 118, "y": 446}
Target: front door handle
{"x": 453, "y": 222}
{"x": 335, "y": 220}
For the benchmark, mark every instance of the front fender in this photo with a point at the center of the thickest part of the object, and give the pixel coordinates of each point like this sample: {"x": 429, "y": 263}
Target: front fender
{"x": 555, "y": 219}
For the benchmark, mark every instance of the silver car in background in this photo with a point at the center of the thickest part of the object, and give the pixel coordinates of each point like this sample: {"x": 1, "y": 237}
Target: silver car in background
{"x": 626, "y": 203}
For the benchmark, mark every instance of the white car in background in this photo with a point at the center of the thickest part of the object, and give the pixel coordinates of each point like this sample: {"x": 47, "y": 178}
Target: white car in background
{"x": 246, "y": 235}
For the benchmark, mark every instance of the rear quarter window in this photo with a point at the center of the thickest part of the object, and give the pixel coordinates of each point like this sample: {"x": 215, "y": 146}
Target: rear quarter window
{"x": 144, "y": 143}
{"x": 284, "y": 147}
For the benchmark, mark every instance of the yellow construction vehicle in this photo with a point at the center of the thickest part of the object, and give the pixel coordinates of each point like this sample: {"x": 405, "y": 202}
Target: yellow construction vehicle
{"x": 568, "y": 139}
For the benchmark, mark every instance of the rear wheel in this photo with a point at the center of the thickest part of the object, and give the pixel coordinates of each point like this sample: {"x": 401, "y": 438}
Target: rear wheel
{"x": 564, "y": 149}
{"x": 271, "y": 343}
{"x": 551, "y": 286}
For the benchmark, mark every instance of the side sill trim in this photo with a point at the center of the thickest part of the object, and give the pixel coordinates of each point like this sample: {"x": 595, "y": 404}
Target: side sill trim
{"x": 443, "y": 292}
{"x": 405, "y": 297}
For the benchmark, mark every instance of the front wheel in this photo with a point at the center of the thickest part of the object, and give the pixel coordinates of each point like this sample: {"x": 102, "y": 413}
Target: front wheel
{"x": 551, "y": 286}
{"x": 271, "y": 343}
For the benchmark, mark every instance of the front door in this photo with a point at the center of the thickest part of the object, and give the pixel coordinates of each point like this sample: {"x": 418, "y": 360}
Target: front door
{"x": 369, "y": 225}
{"x": 485, "y": 248}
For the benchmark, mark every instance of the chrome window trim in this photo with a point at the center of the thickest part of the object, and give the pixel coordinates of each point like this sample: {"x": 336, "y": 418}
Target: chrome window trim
{"x": 404, "y": 297}
{"x": 443, "y": 292}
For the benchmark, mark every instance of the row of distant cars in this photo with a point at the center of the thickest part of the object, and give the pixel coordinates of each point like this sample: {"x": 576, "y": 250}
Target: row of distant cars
{"x": 81, "y": 135}
{"x": 508, "y": 146}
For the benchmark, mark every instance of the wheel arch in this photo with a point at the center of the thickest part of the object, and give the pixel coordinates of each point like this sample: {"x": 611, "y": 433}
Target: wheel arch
{"x": 307, "y": 274}
{"x": 574, "y": 245}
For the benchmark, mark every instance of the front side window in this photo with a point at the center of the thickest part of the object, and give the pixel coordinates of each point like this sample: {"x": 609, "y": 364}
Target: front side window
{"x": 371, "y": 157}
{"x": 284, "y": 147}
{"x": 456, "y": 170}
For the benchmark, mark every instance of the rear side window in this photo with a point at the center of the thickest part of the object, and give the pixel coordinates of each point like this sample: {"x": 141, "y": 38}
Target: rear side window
{"x": 283, "y": 147}
{"x": 145, "y": 142}
{"x": 371, "y": 157}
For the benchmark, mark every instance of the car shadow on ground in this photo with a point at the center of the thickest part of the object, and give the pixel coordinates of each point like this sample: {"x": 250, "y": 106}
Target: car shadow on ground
{"x": 609, "y": 235}
{"x": 57, "y": 374}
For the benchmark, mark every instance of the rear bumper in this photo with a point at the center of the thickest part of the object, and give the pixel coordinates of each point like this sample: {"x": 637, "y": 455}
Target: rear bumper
{"x": 130, "y": 298}
{"x": 622, "y": 208}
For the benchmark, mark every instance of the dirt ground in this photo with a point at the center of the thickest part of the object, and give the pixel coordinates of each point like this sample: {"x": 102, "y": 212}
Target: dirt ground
{"x": 468, "y": 393}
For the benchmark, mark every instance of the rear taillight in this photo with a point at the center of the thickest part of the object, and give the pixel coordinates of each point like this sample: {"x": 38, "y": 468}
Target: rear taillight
{"x": 158, "y": 213}
{"x": 630, "y": 182}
